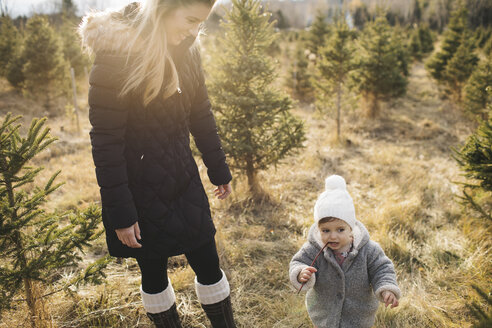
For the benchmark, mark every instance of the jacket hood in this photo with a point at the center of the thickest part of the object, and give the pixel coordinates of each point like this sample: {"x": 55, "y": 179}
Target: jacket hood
{"x": 109, "y": 31}
{"x": 361, "y": 236}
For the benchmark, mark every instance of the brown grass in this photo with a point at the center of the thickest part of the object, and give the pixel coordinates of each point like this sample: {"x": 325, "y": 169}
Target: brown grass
{"x": 403, "y": 181}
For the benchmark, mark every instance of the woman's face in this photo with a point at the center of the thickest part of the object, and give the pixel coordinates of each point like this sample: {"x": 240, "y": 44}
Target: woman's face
{"x": 184, "y": 22}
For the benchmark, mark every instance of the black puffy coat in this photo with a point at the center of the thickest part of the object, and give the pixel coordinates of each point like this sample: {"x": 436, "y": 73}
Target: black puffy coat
{"x": 144, "y": 164}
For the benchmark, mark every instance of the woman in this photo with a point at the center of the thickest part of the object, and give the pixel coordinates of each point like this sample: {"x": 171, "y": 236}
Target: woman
{"x": 147, "y": 94}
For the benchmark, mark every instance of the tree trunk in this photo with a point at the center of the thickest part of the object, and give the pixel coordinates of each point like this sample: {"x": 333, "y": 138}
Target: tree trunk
{"x": 31, "y": 302}
{"x": 251, "y": 173}
{"x": 370, "y": 105}
{"x": 339, "y": 92}
{"x": 34, "y": 302}
{"x": 373, "y": 105}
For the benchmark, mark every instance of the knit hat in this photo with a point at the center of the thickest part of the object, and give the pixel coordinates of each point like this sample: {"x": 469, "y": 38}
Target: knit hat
{"x": 335, "y": 201}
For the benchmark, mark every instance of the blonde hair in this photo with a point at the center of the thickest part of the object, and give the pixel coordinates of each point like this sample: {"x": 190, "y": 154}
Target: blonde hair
{"x": 148, "y": 44}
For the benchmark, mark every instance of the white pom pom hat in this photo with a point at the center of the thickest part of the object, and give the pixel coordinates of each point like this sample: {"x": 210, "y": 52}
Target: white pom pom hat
{"x": 335, "y": 201}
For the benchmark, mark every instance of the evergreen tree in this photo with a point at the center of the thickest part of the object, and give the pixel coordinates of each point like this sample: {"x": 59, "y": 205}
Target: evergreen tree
{"x": 318, "y": 33}
{"x": 9, "y": 43}
{"x": 360, "y": 14}
{"x": 476, "y": 155}
{"x": 72, "y": 52}
{"x": 476, "y": 97}
{"x": 14, "y": 73}
{"x": 280, "y": 21}
{"x": 438, "y": 12}
{"x": 35, "y": 245}
{"x": 450, "y": 43}
{"x": 416, "y": 13}
{"x": 334, "y": 67}
{"x": 483, "y": 319}
{"x": 480, "y": 12}
{"x": 401, "y": 50}
{"x": 69, "y": 9}
{"x": 482, "y": 35}
{"x": 381, "y": 69}
{"x": 253, "y": 118}
{"x": 425, "y": 38}
{"x": 460, "y": 66}
{"x": 415, "y": 47}
{"x": 475, "y": 158}
{"x": 300, "y": 77}
{"x": 45, "y": 70}
{"x": 487, "y": 49}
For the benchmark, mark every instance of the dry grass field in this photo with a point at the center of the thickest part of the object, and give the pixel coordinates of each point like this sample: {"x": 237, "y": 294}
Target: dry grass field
{"x": 399, "y": 171}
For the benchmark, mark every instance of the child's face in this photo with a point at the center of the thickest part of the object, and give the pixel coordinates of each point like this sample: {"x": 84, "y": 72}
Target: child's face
{"x": 336, "y": 233}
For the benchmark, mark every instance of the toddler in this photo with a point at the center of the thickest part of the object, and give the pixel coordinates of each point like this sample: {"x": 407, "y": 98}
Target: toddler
{"x": 352, "y": 272}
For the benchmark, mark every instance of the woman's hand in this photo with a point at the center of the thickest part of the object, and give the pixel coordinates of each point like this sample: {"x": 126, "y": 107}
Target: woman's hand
{"x": 223, "y": 191}
{"x": 306, "y": 274}
{"x": 127, "y": 236}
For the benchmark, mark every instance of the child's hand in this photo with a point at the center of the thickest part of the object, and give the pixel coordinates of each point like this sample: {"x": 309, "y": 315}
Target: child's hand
{"x": 306, "y": 274}
{"x": 389, "y": 298}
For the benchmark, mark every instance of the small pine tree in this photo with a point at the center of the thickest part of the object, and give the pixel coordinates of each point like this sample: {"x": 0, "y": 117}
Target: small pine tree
{"x": 11, "y": 60}
{"x": 486, "y": 36}
{"x": 416, "y": 13}
{"x": 318, "y": 33}
{"x": 45, "y": 70}
{"x": 9, "y": 43}
{"x": 425, "y": 38}
{"x": 476, "y": 97}
{"x": 460, "y": 67}
{"x": 483, "y": 319}
{"x": 281, "y": 21}
{"x": 72, "y": 52}
{"x": 14, "y": 73}
{"x": 475, "y": 158}
{"x": 36, "y": 245}
{"x": 254, "y": 120}
{"x": 334, "y": 66}
{"x": 402, "y": 53}
{"x": 487, "y": 48}
{"x": 414, "y": 46}
{"x": 450, "y": 43}
{"x": 482, "y": 35}
{"x": 299, "y": 79}
{"x": 360, "y": 14}
{"x": 476, "y": 155}
{"x": 381, "y": 66}
{"x": 68, "y": 8}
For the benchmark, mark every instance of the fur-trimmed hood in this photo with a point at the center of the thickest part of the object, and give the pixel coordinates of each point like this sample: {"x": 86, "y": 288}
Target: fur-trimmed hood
{"x": 107, "y": 31}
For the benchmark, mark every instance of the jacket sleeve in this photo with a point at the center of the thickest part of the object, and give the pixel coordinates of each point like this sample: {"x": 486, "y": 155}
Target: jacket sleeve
{"x": 204, "y": 130}
{"x": 108, "y": 117}
{"x": 381, "y": 272}
{"x": 302, "y": 259}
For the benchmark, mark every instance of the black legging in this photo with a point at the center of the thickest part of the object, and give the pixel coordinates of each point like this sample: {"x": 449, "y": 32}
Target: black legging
{"x": 204, "y": 261}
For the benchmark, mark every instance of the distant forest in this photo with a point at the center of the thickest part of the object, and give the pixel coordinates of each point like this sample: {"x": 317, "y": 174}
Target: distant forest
{"x": 301, "y": 13}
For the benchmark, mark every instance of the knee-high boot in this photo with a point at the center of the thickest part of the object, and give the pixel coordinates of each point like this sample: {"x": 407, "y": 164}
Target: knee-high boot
{"x": 161, "y": 308}
{"x": 216, "y": 302}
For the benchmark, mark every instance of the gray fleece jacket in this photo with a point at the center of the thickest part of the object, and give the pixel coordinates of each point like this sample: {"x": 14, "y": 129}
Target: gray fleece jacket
{"x": 346, "y": 296}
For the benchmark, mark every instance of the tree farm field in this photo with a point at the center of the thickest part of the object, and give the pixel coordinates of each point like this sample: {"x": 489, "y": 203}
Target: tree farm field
{"x": 400, "y": 172}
